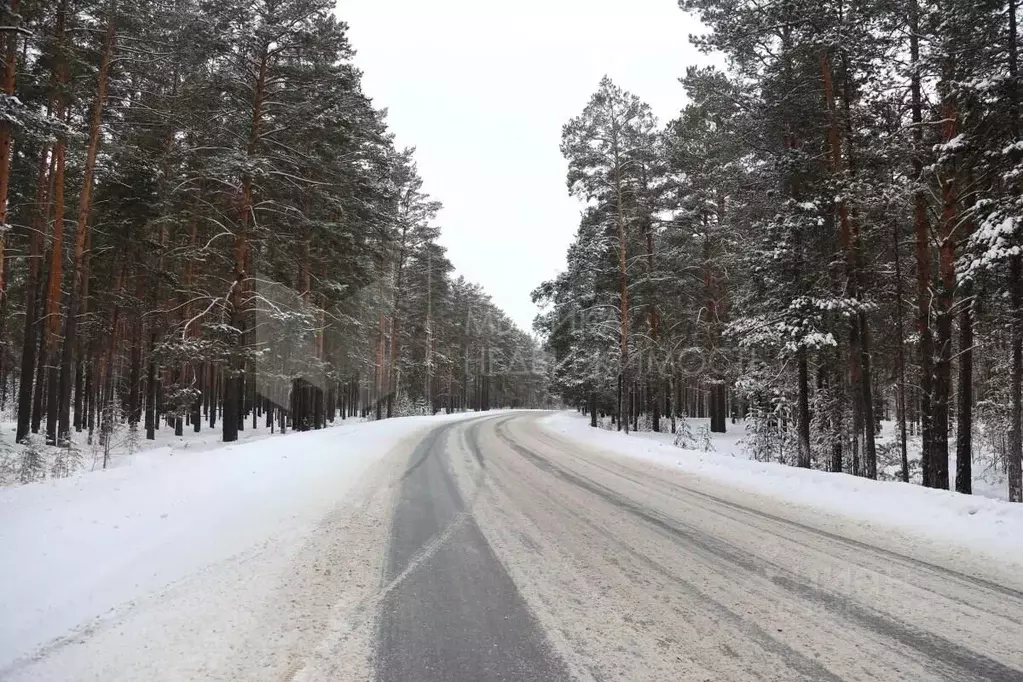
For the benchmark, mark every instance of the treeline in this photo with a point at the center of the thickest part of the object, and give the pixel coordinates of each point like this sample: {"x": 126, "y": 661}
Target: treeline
{"x": 206, "y": 220}
{"x": 829, "y": 234}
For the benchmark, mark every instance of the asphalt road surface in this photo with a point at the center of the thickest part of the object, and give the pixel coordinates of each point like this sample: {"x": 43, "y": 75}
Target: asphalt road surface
{"x": 515, "y": 555}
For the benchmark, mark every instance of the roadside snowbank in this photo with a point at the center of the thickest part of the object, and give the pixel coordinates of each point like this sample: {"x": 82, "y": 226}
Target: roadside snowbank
{"x": 78, "y": 548}
{"x": 127, "y": 448}
{"x": 969, "y": 522}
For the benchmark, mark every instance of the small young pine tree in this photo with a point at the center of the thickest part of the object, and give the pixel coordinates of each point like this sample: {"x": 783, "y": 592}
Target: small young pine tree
{"x": 705, "y": 442}
{"x": 67, "y": 459}
{"x": 31, "y": 464}
{"x": 684, "y": 435}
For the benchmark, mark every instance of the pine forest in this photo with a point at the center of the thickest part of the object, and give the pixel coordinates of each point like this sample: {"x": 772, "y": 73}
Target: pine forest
{"x": 206, "y": 223}
{"x": 826, "y": 238}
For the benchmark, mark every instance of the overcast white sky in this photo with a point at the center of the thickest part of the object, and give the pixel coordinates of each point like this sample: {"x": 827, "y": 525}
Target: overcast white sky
{"x": 482, "y": 87}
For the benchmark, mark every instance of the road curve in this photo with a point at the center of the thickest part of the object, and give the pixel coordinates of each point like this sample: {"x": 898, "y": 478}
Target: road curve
{"x": 517, "y": 555}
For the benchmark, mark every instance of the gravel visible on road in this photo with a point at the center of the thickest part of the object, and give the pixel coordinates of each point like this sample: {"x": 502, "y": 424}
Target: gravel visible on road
{"x": 637, "y": 574}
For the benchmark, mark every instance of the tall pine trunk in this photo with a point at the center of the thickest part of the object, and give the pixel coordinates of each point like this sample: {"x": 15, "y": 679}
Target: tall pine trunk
{"x": 107, "y": 401}
{"x": 32, "y": 290}
{"x": 151, "y": 390}
{"x": 900, "y": 358}
{"x": 77, "y": 291}
{"x": 10, "y": 61}
{"x": 235, "y": 381}
{"x": 860, "y": 334}
{"x": 392, "y": 367}
{"x": 964, "y": 415}
{"x": 623, "y": 287}
{"x": 804, "y": 410}
{"x": 51, "y": 314}
{"x": 1015, "y": 464}
{"x": 942, "y": 387}
{"x": 921, "y": 230}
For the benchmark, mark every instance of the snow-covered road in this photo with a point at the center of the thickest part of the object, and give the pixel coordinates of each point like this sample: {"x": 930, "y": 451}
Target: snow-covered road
{"x": 213, "y": 564}
{"x": 491, "y": 548}
{"x": 639, "y": 572}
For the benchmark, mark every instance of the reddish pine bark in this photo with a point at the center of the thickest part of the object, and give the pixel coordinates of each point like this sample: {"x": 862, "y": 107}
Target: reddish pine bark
{"x": 35, "y": 257}
{"x": 234, "y": 383}
{"x": 78, "y": 292}
{"x": 10, "y": 60}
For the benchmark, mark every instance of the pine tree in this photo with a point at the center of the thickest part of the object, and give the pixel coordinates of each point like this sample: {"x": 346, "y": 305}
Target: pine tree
{"x": 610, "y": 148}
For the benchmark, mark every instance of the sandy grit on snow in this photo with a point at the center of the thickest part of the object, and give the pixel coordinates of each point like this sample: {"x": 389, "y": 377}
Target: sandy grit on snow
{"x": 954, "y": 526}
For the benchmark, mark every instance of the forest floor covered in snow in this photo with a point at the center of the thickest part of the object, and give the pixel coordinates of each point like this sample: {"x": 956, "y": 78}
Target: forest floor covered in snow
{"x": 989, "y": 479}
{"x": 126, "y": 448}
{"x": 190, "y": 537}
{"x": 947, "y": 520}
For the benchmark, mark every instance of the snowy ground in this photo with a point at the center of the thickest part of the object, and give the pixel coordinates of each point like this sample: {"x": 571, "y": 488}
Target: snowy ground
{"x": 988, "y": 477}
{"x": 128, "y": 449}
{"x": 187, "y": 538}
{"x": 953, "y": 522}
{"x": 263, "y": 559}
